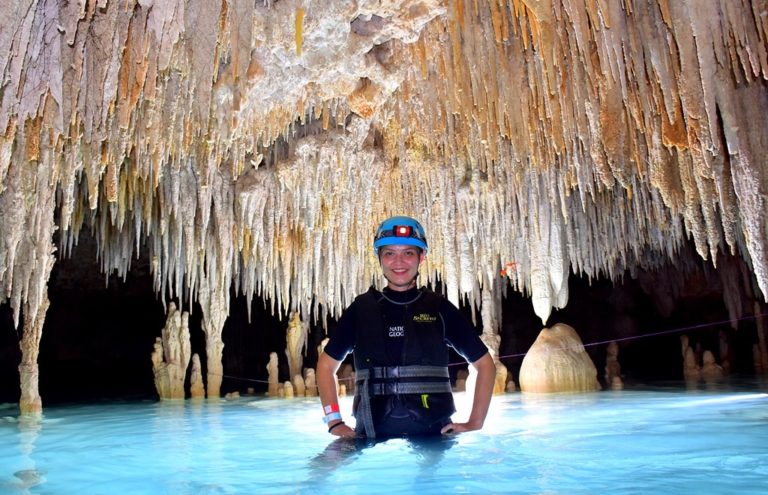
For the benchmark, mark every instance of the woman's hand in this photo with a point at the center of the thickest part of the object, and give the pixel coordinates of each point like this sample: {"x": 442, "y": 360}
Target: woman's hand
{"x": 343, "y": 430}
{"x": 453, "y": 428}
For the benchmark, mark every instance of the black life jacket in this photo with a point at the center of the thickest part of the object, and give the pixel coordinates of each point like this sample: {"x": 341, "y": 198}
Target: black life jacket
{"x": 417, "y": 382}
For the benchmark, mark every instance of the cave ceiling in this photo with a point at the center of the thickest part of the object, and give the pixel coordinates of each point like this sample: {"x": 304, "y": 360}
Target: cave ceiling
{"x": 256, "y": 145}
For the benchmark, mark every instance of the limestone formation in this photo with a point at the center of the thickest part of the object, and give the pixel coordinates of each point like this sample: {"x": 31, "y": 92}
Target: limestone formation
{"x": 557, "y": 362}
{"x": 254, "y": 146}
{"x": 196, "y": 386}
{"x": 710, "y": 370}
{"x": 287, "y": 390}
{"x": 273, "y": 380}
{"x": 299, "y": 387}
{"x": 691, "y": 369}
{"x": 310, "y": 383}
{"x": 30, "y": 402}
{"x": 296, "y": 344}
{"x": 491, "y": 314}
{"x": 612, "y": 367}
{"x": 214, "y": 301}
{"x": 346, "y": 376}
{"x": 171, "y": 355}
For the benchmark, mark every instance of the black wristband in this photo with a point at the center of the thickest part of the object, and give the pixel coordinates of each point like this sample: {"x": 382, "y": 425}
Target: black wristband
{"x": 334, "y": 426}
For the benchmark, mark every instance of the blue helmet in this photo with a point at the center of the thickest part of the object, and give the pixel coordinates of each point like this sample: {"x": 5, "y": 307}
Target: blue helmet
{"x": 400, "y": 230}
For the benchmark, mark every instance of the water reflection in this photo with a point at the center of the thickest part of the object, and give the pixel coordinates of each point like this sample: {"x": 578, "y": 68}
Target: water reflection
{"x": 28, "y": 476}
{"x": 428, "y": 451}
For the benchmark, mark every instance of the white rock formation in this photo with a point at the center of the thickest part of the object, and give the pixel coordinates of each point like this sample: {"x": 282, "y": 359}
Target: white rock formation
{"x": 171, "y": 355}
{"x": 557, "y": 362}
{"x": 296, "y": 344}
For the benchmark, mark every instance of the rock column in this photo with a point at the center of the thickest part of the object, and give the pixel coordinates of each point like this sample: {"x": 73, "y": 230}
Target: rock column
{"x": 490, "y": 310}
{"x": 171, "y": 356}
{"x": 215, "y": 304}
{"x": 30, "y": 401}
{"x": 296, "y": 345}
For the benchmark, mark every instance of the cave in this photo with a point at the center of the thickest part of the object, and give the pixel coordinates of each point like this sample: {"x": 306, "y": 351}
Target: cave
{"x": 599, "y": 164}
{"x": 189, "y": 193}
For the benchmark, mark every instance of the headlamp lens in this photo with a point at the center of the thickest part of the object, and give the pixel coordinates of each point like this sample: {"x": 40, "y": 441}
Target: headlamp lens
{"x": 402, "y": 231}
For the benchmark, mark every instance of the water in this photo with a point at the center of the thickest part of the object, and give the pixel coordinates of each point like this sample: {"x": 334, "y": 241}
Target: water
{"x": 668, "y": 440}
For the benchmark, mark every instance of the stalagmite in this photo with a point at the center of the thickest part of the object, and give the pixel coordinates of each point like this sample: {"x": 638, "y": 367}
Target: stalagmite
{"x": 196, "y": 385}
{"x": 710, "y": 370}
{"x": 299, "y": 387}
{"x": 491, "y": 314}
{"x": 214, "y": 302}
{"x": 557, "y": 362}
{"x": 691, "y": 368}
{"x": 171, "y": 355}
{"x": 612, "y": 367}
{"x": 296, "y": 344}
{"x": 346, "y": 377}
{"x": 273, "y": 380}
{"x": 287, "y": 390}
{"x": 310, "y": 383}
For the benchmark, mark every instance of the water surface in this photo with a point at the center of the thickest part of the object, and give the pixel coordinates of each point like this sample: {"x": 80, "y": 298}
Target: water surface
{"x": 650, "y": 440}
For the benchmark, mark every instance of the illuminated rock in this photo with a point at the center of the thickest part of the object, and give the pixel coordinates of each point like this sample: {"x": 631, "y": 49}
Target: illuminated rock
{"x": 196, "y": 386}
{"x": 557, "y": 362}
{"x": 310, "y": 383}
{"x": 296, "y": 344}
{"x": 691, "y": 368}
{"x": 710, "y": 370}
{"x": 273, "y": 380}
{"x": 491, "y": 313}
{"x": 287, "y": 390}
{"x": 299, "y": 387}
{"x": 171, "y": 355}
{"x": 346, "y": 377}
{"x": 214, "y": 301}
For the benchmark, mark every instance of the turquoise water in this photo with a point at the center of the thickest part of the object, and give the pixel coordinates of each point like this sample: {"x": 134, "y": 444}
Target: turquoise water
{"x": 668, "y": 440}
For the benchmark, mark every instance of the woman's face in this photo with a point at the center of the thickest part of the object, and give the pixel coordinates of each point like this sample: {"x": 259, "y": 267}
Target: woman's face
{"x": 400, "y": 264}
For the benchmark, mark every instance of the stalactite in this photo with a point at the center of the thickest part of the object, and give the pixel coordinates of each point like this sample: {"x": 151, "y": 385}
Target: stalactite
{"x": 573, "y": 136}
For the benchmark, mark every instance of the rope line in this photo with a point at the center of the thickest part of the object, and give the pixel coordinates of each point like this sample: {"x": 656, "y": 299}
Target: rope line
{"x": 634, "y": 337}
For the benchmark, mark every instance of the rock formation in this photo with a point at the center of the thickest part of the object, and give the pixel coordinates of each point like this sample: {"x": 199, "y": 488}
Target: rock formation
{"x": 171, "y": 355}
{"x": 691, "y": 368}
{"x": 273, "y": 380}
{"x": 296, "y": 344}
{"x": 491, "y": 315}
{"x": 260, "y": 143}
{"x": 557, "y": 362}
{"x": 310, "y": 383}
{"x": 710, "y": 370}
{"x": 214, "y": 301}
{"x": 196, "y": 385}
{"x": 612, "y": 367}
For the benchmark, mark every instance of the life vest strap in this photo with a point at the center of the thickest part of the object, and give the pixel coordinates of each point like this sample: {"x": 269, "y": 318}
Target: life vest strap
{"x": 394, "y": 372}
{"x": 366, "y": 378}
